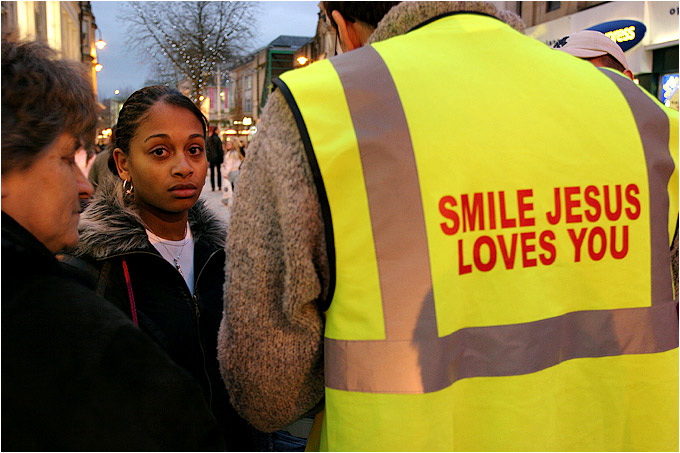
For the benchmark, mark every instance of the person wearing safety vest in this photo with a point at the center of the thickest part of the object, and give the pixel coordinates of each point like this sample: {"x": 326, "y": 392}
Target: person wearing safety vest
{"x": 477, "y": 231}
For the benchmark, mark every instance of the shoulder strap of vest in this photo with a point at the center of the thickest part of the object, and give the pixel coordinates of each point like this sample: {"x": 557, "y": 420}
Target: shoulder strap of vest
{"x": 324, "y": 303}
{"x": 653, "y": 129}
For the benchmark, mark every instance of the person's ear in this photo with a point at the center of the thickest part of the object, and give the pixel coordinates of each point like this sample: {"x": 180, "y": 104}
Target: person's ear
{"x": 5, "y": 187}
{"x": 347, "y": 32}
{"x": 121, "y": 164}
{"x": 628, "y": 73}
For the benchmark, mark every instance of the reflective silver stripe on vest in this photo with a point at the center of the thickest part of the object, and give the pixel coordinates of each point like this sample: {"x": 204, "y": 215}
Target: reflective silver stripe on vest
{"x": 389, "y": 163}
{"x": 412, "y": 358}
{"x": 652, "y": 124}
{"x": 428, "y": 365}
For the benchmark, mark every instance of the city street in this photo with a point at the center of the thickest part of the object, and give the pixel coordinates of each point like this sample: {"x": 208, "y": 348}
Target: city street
{"x": 214, "y": 200}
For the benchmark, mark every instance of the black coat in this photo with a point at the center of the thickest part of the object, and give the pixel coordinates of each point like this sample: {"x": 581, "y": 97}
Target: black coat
{"x": 77, "y": 374}
{"x": 215, "y": 153}
{"x": 185, "y": 326}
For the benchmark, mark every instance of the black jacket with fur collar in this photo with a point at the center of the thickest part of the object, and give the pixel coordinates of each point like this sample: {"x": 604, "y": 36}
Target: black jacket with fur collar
{"x": 184, "y": 325}
{"x": 77, "y": 375}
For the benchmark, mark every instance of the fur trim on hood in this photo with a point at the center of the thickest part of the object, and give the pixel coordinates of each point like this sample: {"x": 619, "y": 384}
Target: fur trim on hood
{"x": 406, "y": 15}
{"x": 109, "y": 226}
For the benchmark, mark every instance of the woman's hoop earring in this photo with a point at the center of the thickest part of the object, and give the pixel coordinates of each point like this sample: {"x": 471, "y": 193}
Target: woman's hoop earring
{"x": 128, "y": 188}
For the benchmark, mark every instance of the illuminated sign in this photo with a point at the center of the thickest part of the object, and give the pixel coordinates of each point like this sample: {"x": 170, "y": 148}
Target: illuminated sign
{"x": 626, "y": 33}
{"x": 669, "y": 85}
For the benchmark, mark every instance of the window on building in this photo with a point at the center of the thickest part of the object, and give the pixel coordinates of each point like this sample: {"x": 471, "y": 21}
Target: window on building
{"x": 552, "y": 6}
{"x": 230, "y": 97}
{"x": 248, "y": 94}
{"x": 9, "y": 17}
{"x": 69, "y": 37}
{"x": 248, "y": 104}
{"x": 40, "y": 13}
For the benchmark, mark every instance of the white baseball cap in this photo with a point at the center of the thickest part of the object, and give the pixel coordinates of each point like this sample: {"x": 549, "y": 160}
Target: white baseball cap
{"x": 591, "y": 44}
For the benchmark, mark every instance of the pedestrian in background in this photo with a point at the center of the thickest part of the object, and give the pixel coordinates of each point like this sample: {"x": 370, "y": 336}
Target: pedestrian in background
{"x": 230, "y": 168}
{"x": 233, "y": 159}
{"x": 430, "y": 244}
{"x": 77, "y": 375}
{"x": 157, "y": 248}
{"x": 597, "y": 48}
{"x": 215, "y": 157}
{"x": 85, "y": 158}
{"x": 99, "y": 171}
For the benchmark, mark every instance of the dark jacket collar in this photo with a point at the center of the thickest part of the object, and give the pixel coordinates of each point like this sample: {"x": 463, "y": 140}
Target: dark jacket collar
{"x": 108, "y": 227}
{"x": 24, "y": 254}
{"x": 20, "y": 248}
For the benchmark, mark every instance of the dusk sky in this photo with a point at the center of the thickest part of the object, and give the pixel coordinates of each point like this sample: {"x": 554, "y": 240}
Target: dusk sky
{"x": 123, "y": 68}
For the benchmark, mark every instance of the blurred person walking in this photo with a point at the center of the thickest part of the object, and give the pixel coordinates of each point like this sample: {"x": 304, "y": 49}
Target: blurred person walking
{"x": 158, "y": 249}
{"x": 215, "y": 158}
{"x": 76, "y": 373}
{"x": 452, "y": 267}
{"x": 230, "y": 168}
{"x": 99, "y": 171}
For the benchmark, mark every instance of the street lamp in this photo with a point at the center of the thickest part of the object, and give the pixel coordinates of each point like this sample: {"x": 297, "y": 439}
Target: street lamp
{"x": 302, "y": 60}
{"x": 98, "y": 67}
{"x": 116, "y": 92}
{"x": 100, "y": 43}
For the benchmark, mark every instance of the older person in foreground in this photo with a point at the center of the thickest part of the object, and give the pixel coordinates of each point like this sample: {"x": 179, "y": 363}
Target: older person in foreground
{"x": 76, "y": 373}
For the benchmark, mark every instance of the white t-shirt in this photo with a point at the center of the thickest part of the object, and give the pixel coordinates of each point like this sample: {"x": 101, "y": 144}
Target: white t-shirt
{"x": 178, "y": 253}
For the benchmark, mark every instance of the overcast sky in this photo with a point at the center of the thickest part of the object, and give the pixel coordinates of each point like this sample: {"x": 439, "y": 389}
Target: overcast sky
{"x": 123, "y": 68}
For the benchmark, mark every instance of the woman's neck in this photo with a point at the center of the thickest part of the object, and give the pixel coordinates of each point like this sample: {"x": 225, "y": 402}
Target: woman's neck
{"x": 171, "y": 226}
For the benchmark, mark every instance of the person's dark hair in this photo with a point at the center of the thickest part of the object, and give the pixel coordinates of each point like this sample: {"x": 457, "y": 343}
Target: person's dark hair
{"x": 368, "y": 12}
{"x": 42, "y": 98}
{"x": 609, "y": 62}
{"x": 136, "y": 107}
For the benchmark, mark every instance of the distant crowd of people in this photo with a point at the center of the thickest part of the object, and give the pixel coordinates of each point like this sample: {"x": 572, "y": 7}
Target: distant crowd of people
{"x": 478, "y": 251}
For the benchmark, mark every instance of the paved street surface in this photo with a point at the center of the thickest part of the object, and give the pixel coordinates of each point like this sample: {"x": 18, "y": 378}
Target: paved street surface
{"x": 214, "y": 200}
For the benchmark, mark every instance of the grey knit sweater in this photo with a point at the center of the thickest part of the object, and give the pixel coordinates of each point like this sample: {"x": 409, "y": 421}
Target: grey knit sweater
{"x": 270, "y": 343}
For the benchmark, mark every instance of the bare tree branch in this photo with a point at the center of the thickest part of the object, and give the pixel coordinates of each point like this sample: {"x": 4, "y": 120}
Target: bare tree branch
{"x": 190, "y": 39}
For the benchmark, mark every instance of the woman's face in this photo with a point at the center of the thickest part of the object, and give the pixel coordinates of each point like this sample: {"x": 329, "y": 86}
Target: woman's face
{"x": 45, "y": 197}
{"x": 166, "y": 163}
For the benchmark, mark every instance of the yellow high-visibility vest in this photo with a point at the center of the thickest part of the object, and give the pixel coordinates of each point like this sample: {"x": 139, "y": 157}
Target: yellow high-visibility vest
{"x": 498, "y": 217}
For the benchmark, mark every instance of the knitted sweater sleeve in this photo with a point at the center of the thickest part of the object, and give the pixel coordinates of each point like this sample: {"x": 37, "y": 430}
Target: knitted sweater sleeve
{"x": 270, "y": 344}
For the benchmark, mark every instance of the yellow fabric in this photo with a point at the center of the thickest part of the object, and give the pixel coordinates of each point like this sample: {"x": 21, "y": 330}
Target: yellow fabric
{"x": 357, "y": 272}
{"x": 314, "y": 439}
{"x": 492, "y": 126}
{"x": 603, "y": 404}
{"x": 673, "y": 142}
{"x": 582, "y": 404}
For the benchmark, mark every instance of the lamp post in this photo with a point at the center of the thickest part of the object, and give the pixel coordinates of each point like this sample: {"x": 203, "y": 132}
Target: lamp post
{"x": 100, "y": 42}
{"x": 219, "y": 95}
